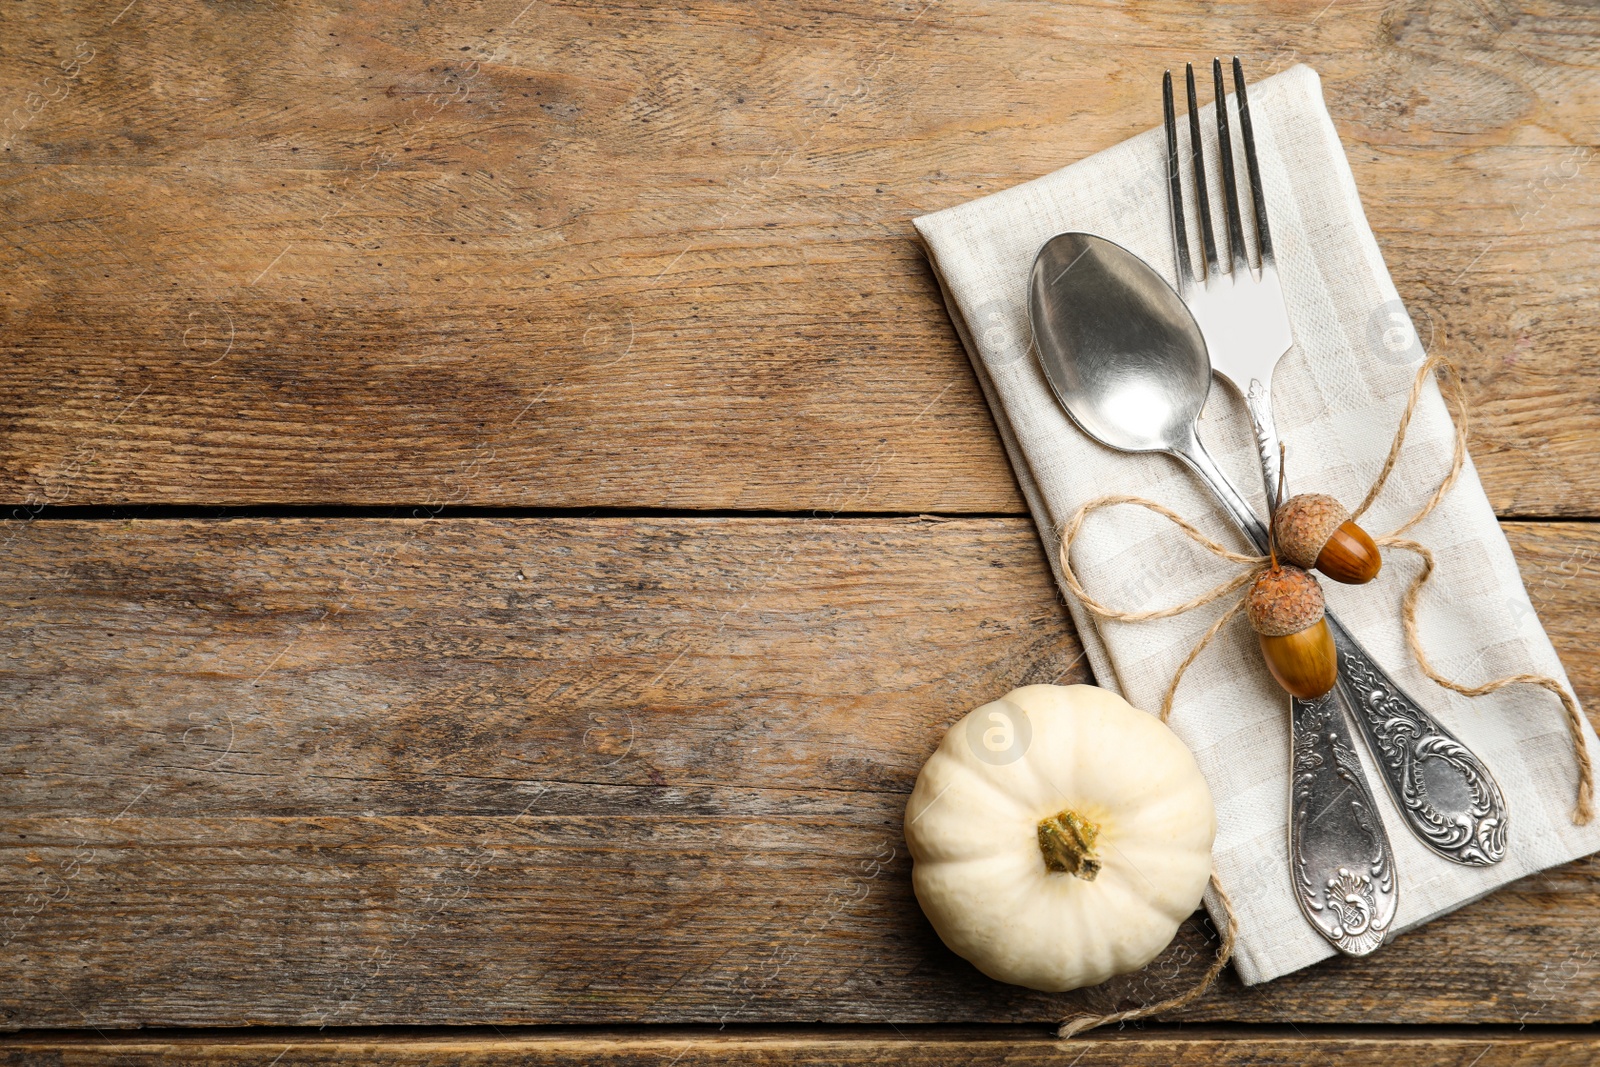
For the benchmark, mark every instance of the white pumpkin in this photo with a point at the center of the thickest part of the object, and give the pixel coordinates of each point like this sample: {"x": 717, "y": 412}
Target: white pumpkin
{"x": 1059, "y": 836}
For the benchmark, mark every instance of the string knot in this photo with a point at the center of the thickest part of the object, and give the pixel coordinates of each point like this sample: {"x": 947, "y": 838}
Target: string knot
{"x": 1583, "y": 810}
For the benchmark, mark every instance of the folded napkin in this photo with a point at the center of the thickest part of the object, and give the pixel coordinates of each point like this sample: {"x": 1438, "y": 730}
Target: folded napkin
{"x": 1338, "y": 395}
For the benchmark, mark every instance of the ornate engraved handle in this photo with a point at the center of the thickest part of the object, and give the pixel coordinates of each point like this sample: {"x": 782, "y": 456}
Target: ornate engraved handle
{"x": 1338, "y": 853}
{"x": 1448, "y": 797}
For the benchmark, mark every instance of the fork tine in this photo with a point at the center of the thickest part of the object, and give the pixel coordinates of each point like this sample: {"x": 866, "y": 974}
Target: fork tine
{"x": 1180, "y": 236}
{"x": 1234, "y": 254}
{"x": 1257, "y": 198}
{"x": 1201, "y": 197}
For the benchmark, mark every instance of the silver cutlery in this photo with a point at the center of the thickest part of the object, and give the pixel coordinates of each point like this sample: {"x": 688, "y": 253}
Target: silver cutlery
{"x": 1127, "y": 361}
{"x": 1448, "y": 797}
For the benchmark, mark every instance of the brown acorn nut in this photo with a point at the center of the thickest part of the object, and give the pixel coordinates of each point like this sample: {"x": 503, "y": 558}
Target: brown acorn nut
{"x": 1286, "y": 609}
{"x": 1315, "y": 530}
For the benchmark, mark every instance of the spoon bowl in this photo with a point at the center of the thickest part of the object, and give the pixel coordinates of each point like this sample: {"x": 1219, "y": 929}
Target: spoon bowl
{"x": 1120, "y": 349}
{"x": 1125, "y": 358}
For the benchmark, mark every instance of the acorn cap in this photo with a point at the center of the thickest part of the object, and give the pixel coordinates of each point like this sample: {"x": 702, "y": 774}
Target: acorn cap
{"x": 1284, "y": 601}
{"x": 1304, "y": 524}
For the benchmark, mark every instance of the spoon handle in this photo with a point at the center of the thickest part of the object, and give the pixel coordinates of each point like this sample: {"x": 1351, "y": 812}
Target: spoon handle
{"x": 1340, "y": 859}
{"x": 1196, "y": 456}
{"x": 1449, "y": 799}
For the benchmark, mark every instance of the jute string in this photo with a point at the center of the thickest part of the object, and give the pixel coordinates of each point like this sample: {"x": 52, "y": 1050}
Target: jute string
{"x": 1230, "y": 933}
{"x": 1583, "y": 810}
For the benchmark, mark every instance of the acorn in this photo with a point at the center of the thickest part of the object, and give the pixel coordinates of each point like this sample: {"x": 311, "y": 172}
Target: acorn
{"x": 1315, "y": 531}
{"x": 1286, "y": 609}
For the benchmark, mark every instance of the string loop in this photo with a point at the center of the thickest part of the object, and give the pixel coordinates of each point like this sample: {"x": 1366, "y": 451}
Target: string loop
{"x": 1583, "y": 810}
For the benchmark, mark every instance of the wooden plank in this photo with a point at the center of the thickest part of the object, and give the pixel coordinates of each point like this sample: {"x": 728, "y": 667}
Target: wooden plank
{"x": 642, "y": 257}
{"x": 842, "y": 1046}
{"x": 651, "y": 663}
{"x": 353, "y": 772}
{"x": 1499, "y": 309}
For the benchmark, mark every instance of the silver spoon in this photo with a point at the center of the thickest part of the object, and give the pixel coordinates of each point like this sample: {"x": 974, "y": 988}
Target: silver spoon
{"x": 1125, "y": 358}
{"x": 1445, "y": 794}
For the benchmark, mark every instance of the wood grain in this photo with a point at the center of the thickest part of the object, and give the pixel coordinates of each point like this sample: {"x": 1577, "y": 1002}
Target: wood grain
{"x": 853, "y": 1046}
{"x": 349, "y": 772}
{"x": 660, "y": 256}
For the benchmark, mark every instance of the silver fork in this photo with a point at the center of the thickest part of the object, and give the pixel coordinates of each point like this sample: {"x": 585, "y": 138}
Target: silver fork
{"x": 1240, "y": 312}
{"x": 1448, "y": 797}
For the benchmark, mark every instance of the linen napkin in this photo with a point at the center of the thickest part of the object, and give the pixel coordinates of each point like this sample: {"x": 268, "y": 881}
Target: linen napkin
{"x": 1337, "y": 395}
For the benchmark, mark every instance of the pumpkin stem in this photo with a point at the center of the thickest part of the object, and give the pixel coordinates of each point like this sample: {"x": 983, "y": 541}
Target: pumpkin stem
{"x": 1067, "y": 841}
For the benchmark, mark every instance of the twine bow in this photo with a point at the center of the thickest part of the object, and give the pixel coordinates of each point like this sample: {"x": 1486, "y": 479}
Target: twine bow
{"x": 1583, "y": 810}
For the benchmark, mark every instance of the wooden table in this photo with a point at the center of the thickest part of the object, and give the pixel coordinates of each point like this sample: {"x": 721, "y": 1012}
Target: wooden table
{"x": 500, "y": 515}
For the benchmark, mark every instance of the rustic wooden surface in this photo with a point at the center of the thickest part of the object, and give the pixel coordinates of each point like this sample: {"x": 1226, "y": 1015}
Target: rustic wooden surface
{"x": 637, "y": 769}
{"x": 1481, "y": 1047}
{"x": 297, "y": 772}
{"x": 572, "y": 255}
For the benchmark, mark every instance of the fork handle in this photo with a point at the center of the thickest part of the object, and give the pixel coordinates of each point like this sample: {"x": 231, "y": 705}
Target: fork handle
{"x": 1448, "y": 797}
{"x": 1340, "y": 859}
{"x": 1258, "y": 401}
{"x": 1339, "y": 855}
